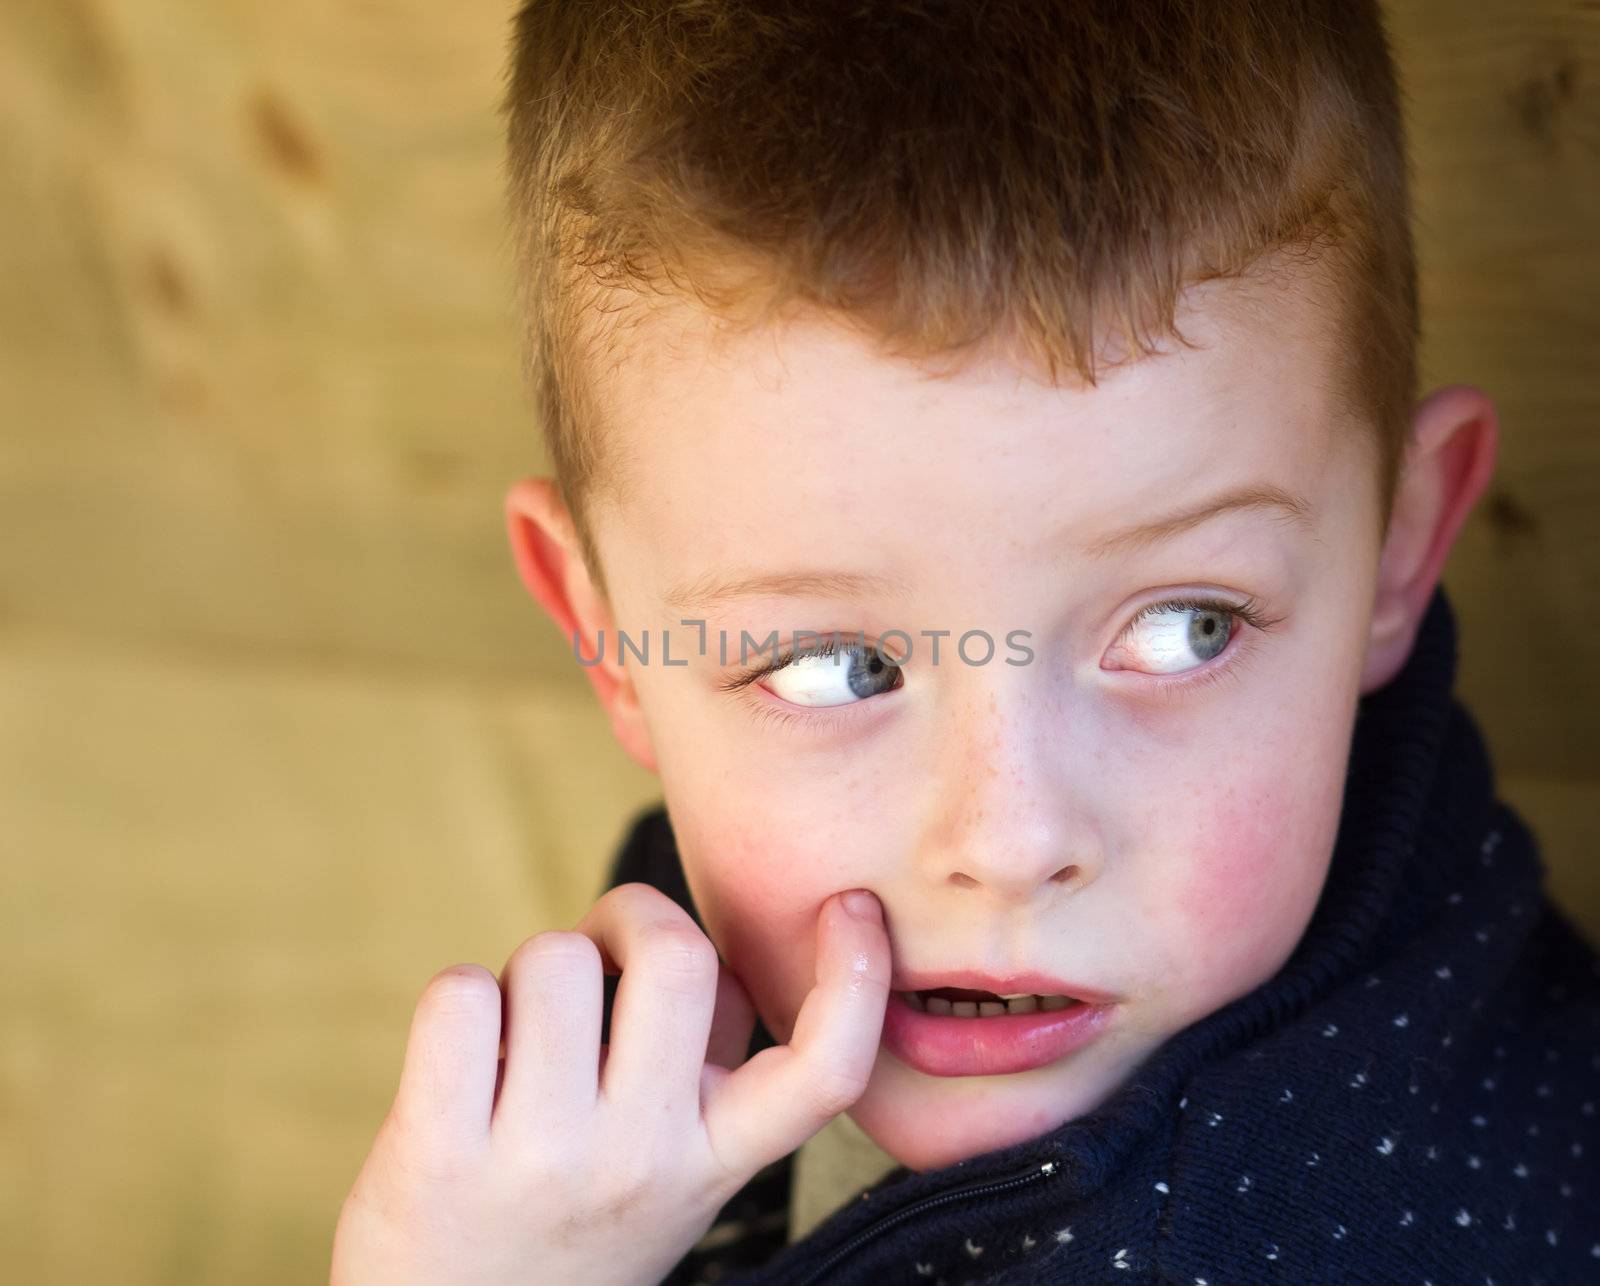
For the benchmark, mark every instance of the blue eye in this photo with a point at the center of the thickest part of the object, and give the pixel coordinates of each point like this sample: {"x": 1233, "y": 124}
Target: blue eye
{"x": 827, "y": 675}
{"x": 1179, "y": 636}
{"x": 1176, "y": 637}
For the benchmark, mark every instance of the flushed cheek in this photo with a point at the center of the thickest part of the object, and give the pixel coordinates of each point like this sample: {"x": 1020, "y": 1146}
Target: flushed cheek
{"x": 764, "y": 924}
{"x": 1243, "y": 894}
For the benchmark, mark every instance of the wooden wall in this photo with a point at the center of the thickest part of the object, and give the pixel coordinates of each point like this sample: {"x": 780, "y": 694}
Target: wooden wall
{"x": 280, "y": 734}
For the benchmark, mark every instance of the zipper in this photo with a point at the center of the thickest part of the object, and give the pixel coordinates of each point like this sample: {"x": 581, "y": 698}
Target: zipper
{"x": 1033, "y": 1174}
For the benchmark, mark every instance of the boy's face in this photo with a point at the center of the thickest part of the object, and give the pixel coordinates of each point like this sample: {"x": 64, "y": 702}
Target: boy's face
{"x": 1070, "y": 816}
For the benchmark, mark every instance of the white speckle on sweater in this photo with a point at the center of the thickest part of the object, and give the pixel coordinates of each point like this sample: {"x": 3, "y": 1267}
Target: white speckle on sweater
{"x": 972, "y": 1250}
{"x": 1407, "y": 1219}
{"x": 1385, "y": 1146}
{"x": 1119, "y": 1260}
{"x": 1402, "y": 1020}
{"x": 1064, "y": 1236}
{"x": 1443, "y": 971}
{"x": 1520, "y": 1170}
{"x": 1462, "y": 1217}
{"x": 1330, "y": 1030}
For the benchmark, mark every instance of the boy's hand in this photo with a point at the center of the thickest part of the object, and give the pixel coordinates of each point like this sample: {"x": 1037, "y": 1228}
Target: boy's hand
{"x": 590, "y": 1163}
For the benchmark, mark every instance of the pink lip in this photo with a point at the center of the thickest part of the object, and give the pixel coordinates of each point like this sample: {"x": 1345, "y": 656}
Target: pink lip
{"x": 1037, "y": 984}
{"x": 952, "y": 1046}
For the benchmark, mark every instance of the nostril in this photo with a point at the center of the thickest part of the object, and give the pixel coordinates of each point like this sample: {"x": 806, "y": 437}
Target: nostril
{"x": 1064, "y": 875}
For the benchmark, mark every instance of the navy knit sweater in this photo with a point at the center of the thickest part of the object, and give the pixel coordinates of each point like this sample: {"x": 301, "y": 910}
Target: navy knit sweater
{"x": 1412, "y": 1098}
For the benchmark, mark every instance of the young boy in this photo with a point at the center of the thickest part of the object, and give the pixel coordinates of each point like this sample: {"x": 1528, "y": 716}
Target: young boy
{"x": 994, "y": 428}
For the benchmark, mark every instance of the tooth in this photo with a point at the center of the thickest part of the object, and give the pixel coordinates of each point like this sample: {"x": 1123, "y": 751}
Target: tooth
{"x": 964, "y": 1008}
{"x": 989, "y": 1008}
{"x": 938, "y": 1005}
{"x": 1023, "y": 1004}
{"x": 1049, "y": 1003}
{"x": 914, "y": 999}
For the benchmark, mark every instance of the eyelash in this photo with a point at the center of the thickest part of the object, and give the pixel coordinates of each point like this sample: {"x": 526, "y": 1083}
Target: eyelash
{"x": 1170, "y": 688}
{"x": 1165, "y": 688}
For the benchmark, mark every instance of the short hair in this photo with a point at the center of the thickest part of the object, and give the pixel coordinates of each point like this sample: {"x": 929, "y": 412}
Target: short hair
{"x": 940, "y": 174}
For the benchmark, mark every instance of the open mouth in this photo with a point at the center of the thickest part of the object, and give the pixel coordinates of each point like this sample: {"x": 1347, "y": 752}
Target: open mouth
{"x": 964, "y": 1002}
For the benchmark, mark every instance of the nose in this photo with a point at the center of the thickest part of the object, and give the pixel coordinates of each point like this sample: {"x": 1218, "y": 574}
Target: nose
{"x": 1004, "y": 823}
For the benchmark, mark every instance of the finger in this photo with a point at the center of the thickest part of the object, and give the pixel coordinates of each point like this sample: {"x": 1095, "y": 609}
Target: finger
{"x": 733, "y": 1021}
{"x": 552, "y": 985}
{"x": 661, "y": 1014}
{"x": 784, "y": 1095}
{"x": 447, "y": 1079}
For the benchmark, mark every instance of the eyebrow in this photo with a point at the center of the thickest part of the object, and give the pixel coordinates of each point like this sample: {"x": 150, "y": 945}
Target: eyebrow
{"x": 708, "y": 591}
{"x": 1259, "y": 495}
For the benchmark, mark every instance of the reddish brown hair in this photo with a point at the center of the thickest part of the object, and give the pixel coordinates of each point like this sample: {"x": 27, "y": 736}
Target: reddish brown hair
{"x": 945, "y": 175}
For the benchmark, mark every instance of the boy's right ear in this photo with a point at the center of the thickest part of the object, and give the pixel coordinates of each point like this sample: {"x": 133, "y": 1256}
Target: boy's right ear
{"x": 549, "y": 557}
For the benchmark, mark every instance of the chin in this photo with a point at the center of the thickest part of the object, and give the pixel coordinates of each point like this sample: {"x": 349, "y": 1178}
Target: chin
{"x": 903, "y": 1114}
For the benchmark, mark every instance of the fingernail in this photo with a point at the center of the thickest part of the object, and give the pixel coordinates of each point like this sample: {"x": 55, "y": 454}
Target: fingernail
{"x": 863, "y": 906}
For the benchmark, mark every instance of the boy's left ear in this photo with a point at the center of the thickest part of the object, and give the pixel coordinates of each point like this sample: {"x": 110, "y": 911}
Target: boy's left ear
{"x": 1455, "y": 436}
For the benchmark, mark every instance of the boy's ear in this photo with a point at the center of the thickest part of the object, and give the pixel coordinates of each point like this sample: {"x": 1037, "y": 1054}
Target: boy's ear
{"x": 549, "y": 558}
{"x": 1455, "y": 435}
